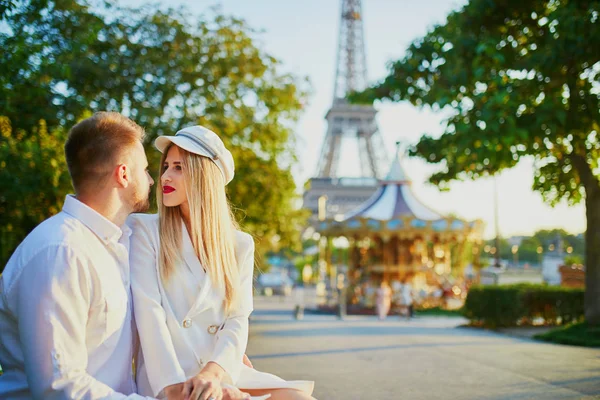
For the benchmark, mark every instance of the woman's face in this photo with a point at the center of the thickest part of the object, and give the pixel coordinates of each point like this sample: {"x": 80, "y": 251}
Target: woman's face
{"x": 172, "y": 180}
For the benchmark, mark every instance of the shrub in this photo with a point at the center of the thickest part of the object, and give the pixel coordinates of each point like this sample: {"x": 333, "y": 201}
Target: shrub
{"x": 521, "y": 304}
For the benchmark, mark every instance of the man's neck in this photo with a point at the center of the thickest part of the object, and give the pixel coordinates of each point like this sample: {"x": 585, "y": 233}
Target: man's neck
{"x": 106, "y": 204}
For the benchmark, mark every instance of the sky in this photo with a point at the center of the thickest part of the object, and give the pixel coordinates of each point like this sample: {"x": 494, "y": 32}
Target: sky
{"x": 302, "y": 35}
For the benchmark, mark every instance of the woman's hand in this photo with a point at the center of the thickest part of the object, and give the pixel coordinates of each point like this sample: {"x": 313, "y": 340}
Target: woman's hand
{"x": 206, "y": 385}
{"x": 232, "y": 393}
{"x": 247, "y": 362}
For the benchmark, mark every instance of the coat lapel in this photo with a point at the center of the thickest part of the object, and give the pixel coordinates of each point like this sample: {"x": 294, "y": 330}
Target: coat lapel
{"x": 190, "y": 258}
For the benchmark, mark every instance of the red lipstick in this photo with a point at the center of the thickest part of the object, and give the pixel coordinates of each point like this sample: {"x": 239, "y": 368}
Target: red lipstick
{"x": 168, "y": 189}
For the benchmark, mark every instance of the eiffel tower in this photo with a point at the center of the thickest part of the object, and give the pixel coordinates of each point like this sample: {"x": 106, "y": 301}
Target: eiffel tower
{"x": 348, "y": 122}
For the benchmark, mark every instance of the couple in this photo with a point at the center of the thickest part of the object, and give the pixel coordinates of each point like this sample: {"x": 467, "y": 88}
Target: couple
{"x": 69, "y": 293}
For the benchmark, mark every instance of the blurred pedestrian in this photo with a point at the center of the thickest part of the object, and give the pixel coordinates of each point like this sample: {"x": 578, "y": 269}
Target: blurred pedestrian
{"x": 407, "y": 298}
{"x": 384, "y": 299}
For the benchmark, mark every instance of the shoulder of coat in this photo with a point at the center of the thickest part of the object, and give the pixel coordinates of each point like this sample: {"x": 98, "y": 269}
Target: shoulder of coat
{"x": 142, "y": 220}
{"x": 243, "y": 241}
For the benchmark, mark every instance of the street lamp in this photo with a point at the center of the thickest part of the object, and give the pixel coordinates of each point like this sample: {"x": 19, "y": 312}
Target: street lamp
{"x": 540, "y": 250}
{"x": 515, "y": 251}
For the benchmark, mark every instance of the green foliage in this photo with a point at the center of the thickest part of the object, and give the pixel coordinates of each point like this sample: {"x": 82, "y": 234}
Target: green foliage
{"x": 511, "y": 305}
{"x": 527, "y": 251}
{"x": 6, "y": 6}
{"x": 577, "y": 334}
{"x": 34, "y": 179}
{"x": 547, "y": 237}
{"x": 438, "y": 312}
{"x": 520, "y": 78}
{"x": 165, "y": 69}
{"x": 494, "y": 306}
{"x": 573, "y": 260}
{"x": 528, "y": 248}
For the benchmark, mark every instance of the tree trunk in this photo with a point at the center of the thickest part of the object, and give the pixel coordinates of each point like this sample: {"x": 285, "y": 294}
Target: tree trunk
{"x": 592, "y": 257}
{"x": 592, "y": 240}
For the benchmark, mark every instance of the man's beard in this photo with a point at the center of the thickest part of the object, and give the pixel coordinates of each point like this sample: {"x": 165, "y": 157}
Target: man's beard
{"x": 142, "y": 203}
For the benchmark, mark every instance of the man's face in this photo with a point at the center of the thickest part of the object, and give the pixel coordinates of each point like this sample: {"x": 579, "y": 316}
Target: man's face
{"x": 141, "y": 180}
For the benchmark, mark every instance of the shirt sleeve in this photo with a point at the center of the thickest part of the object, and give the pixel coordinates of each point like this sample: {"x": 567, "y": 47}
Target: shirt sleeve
{"x": 232, "y": 340}
{"x": 53, "y": 302}
{"x": 160, "y": 358}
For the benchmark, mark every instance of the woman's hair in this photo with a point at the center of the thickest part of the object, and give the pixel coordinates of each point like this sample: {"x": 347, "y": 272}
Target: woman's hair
{"x": 212, "y": 226}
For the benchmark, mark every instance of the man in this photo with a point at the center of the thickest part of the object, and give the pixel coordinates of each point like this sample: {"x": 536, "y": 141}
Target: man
{"x": 65, "y": 304}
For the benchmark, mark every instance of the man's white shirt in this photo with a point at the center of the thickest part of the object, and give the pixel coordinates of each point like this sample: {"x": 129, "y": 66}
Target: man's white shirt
{"x": 66, "y": 328}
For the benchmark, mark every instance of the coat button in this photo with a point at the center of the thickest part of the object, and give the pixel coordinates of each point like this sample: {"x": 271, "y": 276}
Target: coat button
{"x": 187, "y": 323}
{"x": 212, "y": 329}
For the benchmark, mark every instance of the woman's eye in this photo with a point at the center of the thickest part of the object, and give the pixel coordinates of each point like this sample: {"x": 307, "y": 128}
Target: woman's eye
{"x": 165, "y": 167}
{"x": 178, "y": 168}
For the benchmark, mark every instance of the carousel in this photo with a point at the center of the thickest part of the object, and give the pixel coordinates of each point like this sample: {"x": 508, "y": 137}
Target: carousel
{"x": 396, "y": 239}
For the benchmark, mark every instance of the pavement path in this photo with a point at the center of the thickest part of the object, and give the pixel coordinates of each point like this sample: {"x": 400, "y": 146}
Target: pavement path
{"x": 425, "y": 358}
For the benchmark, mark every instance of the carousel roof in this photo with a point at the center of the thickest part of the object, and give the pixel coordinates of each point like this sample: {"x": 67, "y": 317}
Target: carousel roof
{"x": 394, "y": 199}
{"x": 394, "y": 208}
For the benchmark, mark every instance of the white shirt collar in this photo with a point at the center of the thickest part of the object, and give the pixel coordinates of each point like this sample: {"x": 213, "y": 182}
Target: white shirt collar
{"x": 96, "y": 222}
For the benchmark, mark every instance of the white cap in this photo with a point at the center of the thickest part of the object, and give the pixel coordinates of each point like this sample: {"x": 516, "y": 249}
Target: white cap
{"x": 199, "y": 140}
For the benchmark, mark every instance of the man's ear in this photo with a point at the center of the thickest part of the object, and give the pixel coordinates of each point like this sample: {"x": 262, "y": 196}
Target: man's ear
{"x": 122, "y": 175}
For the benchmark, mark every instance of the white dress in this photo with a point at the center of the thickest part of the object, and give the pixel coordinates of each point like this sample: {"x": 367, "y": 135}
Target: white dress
{"x": 182, "y": 324}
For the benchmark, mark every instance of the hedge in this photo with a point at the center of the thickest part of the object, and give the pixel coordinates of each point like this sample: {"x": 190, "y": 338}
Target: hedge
{"x": 521, "y": 304}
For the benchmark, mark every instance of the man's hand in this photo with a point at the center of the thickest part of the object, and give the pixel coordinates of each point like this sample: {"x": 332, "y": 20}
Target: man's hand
{"x": 174, "y": 392}
{"x": 247, "y": 362}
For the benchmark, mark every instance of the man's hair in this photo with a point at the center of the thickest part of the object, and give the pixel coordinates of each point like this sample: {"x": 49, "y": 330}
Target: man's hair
{"x": 95, "y": 144}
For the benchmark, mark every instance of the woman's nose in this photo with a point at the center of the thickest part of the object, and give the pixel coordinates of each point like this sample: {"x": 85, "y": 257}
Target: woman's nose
{"x": 165, "y": 177}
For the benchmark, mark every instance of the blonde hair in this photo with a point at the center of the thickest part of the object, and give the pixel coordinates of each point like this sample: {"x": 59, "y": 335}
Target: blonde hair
{"x": 212, "y": 226}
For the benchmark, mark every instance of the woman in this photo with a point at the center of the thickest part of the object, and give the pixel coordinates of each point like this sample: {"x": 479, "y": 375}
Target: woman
{"x": 192, "y": 281}
{"x": 384, "y": 300}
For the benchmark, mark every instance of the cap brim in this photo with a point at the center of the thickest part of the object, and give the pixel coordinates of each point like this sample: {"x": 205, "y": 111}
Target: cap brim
{"x": 162, "y": 142}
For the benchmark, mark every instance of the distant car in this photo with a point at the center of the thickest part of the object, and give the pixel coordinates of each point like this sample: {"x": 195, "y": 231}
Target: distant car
{"x": 274, "y": 284}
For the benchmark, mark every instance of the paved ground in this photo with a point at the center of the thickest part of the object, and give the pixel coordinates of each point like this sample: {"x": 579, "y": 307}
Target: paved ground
{"x": 426, "y": 358}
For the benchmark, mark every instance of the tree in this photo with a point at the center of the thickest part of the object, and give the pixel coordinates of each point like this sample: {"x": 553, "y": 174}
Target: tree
{"x": 34, "y": 179}
{"x": 554, "y": 236}
{"x": 528, "y": 250}
{"x": 522, "y": 80}
{"x": 6, "y": 6}
{"x": 165, "y": 69}
{"x": 551, "y": 236}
